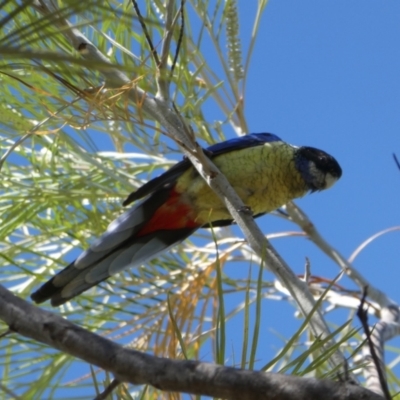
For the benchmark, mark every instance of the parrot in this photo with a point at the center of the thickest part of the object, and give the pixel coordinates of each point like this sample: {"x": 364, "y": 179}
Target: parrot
{"x": 265, "y": 172}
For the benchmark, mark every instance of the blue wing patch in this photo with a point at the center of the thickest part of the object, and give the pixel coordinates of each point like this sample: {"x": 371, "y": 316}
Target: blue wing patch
{"x": 252, "y": 140}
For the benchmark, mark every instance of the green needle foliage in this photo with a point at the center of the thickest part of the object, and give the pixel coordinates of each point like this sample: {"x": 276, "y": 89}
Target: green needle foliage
{"x": 73, "y": 149}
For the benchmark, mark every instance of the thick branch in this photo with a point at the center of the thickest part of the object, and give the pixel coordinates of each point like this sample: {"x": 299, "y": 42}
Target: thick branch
{"x": 170, "y": 375}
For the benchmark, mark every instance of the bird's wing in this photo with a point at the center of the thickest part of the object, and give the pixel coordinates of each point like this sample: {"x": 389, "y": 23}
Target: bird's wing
{"x": 120, "y": 247}
{"x": 242, "y": 142}
{"x": 168, "y": 178}
{"x": 140, "y": 234}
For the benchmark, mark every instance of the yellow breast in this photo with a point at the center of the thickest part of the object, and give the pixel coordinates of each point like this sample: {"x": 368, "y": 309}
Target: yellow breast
{"x": 264, "y": 177}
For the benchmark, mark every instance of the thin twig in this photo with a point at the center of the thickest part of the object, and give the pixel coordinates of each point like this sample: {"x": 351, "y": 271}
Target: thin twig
{"x": 180, "y": 39}
{"x": 108, "y": 390}
{"x": 10, "y": 393}
{"x": 396, "y": 161}
{"x": 362, "y": 314}
{"x": 146, "y": 33}
{"x": 300, "y": 218}
{"x": 32, "y": 132}
{"x": 170, "y": 21}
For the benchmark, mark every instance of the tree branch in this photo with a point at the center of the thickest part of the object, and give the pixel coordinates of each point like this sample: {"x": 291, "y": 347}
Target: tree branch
{"x": 169, "y": 375}
{"x": 302, "y": 220}
{"x": 389, "y": 312}
{"x": 373, "y": 350}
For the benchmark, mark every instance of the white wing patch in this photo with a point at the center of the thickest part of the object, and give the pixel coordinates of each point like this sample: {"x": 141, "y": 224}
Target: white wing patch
{"x": 138, "y": 254}
{"x": 128, "y": 220}
{"x": 110, "y": 240}
{"x": 117, "y": 232}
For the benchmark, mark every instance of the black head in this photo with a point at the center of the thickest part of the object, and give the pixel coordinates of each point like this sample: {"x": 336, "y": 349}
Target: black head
{"x": 319, "y": 169}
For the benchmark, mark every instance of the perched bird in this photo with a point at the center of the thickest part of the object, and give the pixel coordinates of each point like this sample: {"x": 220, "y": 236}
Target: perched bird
{"x": 265, "y": 172}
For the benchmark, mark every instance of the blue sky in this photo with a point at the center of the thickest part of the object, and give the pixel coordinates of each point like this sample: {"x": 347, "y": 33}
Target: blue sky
{"x": 326, "y": 74}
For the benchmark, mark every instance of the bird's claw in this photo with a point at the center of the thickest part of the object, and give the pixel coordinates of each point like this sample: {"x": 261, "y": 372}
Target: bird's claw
{"x": 245, "y": 210}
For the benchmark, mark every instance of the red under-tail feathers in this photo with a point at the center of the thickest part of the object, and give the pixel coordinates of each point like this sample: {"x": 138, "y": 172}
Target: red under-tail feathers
{"x": 137, "y": 236}
{"x": 173, "y": 214}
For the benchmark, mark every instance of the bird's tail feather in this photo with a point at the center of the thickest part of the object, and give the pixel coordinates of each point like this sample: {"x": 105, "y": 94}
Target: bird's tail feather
{"x": 137, "y": 236}
{"x": 75, "y": 279}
